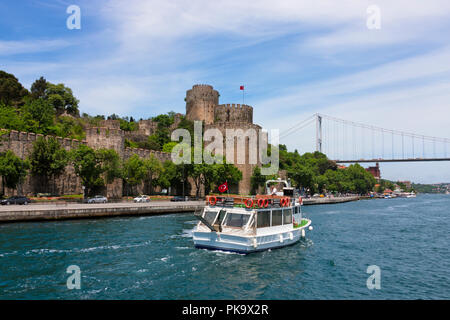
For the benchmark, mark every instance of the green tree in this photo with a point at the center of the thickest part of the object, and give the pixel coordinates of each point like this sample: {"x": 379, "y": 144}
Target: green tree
{"x": 48, "y": 160}
{"x": 226, "y": 172}
{"x": 62, "y": 99}
{"x": 11, "y": 90}
{"x": 13, "y": 170}
{"x": 11, "y": 119}
{"x": 38, "y": 88}
{"x": 153, "y": 168}
{"x": 95, "y": 167}
{"x": 134, "y": 171}
{"x": 172, "y": 176}
{"x": 38, "y": 115}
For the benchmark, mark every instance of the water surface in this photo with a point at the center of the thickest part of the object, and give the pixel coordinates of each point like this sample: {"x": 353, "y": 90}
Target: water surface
{"x": 154, "y": 257}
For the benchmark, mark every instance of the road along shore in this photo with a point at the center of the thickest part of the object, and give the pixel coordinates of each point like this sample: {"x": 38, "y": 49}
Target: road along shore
{"x": 40, "y": 212}
{"x": 63, "y": 211}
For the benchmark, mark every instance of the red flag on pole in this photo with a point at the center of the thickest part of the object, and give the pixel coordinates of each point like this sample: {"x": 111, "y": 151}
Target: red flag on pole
{"x": 241, "y": 87}
{"x": 223, "y": 187}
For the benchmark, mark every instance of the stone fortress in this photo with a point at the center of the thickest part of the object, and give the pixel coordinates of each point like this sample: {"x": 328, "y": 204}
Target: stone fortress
{"x": 202, "y": 104}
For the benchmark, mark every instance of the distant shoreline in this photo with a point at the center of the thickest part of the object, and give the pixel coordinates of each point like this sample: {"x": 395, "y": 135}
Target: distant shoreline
{"x": 66, "y": 211}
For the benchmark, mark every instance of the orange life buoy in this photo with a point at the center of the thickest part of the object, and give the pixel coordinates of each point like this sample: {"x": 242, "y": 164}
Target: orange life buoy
{"x": 261, "y": 203}
{"x": 249, "y": 202}
{"x": 212, "y": 200}
{"x": 266, "y": 203}
{"x": 288, "y": 202}
{"x": 282, "y": 202}
{"x": 300, "y": 200}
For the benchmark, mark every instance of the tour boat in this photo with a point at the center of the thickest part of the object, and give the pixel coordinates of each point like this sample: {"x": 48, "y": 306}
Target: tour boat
{"x": 251, "y": 224}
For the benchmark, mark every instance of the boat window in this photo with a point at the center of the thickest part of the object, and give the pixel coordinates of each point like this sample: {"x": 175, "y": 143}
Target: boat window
{"x": 210, "y": 216}
{"x": 277, "y": 217}
{"x": 263, "y": 219}
{"x": 251, "y": 225}
{"x": 287, "y": 216}
{"x": 236, "y": 220}
{"x": 221, "y": 216}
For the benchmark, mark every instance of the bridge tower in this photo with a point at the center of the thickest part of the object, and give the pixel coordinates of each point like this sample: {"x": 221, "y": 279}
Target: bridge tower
{"x": 318, "y": 132}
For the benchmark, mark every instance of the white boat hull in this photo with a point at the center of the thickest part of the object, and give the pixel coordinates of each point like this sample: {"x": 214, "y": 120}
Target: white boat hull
{"x": 248, "y": 244}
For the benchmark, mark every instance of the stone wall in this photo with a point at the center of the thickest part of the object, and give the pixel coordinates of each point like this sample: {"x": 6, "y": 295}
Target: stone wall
{"x": 201, "y": 102}
{"x": 21, "y": 143}
{"x": 246, "y": 168}
{"x": 233, "y": 113}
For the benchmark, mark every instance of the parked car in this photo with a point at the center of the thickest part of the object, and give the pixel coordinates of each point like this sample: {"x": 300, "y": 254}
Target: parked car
{"x": 97, "y": 199}
{"x": 178, "y": 198}
{"x": 16, "y": 200}
{"x": 142, "y": 198}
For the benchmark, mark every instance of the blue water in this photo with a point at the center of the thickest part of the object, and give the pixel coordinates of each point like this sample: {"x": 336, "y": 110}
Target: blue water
{"x": 154, "y": 258}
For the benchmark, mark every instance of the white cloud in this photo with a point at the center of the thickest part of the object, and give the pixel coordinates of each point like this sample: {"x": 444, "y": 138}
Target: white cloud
{"x": 31, "y": 46}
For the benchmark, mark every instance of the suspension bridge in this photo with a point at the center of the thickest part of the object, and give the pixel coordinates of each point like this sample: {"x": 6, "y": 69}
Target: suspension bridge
{"x": 350, "y": 142}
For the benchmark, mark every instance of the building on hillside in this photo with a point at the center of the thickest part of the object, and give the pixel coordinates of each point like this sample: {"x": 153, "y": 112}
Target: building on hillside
{"x": 375, "y": 171}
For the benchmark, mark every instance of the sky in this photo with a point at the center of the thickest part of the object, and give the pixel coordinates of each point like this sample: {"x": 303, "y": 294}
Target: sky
{"x": 295, "y": 58}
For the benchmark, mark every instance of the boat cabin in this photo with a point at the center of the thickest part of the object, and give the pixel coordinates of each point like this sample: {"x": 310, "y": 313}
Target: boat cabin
{"x": 251, "y": 221}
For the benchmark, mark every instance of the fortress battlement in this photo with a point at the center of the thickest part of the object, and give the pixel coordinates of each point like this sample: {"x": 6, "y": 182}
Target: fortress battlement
{"x": 21, "y": 136}
{"x": 208, "y": 86}
{"x": 235, "y": 106}
{"x": 104, "y": 131}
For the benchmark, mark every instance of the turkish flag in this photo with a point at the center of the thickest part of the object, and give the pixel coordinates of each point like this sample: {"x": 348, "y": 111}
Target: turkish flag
{"x": 223, "y": 187}
{"x": 241, "y": 88}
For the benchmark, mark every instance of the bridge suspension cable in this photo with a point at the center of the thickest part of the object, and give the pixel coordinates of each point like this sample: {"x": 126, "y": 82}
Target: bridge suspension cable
{"x": 349, "y": 141}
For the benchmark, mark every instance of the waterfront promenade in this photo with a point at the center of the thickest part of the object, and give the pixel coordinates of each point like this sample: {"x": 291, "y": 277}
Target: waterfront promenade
{"x": 61, "y": 211}
{"x": 64, "y": 210}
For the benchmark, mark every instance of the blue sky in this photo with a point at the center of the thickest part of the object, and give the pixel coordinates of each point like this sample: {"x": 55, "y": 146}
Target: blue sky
{"x": 295, "y": 58}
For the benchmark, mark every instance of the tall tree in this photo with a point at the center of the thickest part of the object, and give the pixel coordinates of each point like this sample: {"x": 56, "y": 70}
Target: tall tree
{"x": 62, "y": 99}
{"x": 153, "y": 169}
{"x": 11, "y": 90}
{"x": 38, "y": 116}
{"x": 95, "y": 167}
{"x": 133, "y": 172}
{"x": 48, "y": 160}
{"x": 38, "y": 88}
{"x": 13, "y": 170}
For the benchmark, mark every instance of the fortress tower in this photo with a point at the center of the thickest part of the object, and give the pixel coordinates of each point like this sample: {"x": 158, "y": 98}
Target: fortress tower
{"x": 201, "y": 102}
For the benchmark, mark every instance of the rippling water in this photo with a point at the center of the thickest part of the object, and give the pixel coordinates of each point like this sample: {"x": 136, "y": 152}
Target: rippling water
{"x": 154, "y": 257}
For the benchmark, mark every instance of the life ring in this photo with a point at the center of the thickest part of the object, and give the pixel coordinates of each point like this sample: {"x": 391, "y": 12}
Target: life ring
{"x": 282, "y": 202}
{"x": 300, "y": 200}
{"x": 288, "y": 202}
{"x": 212, "y": 200}
{"x": 249, "y": 202}
{"x": 261, "y": 203}
{"x": 266, "y": 203}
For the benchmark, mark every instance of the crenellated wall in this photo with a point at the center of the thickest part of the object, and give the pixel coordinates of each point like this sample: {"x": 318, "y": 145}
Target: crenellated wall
{"x": 21, "y": 143}
{"x": 233, "y": 113}
{"x": 201, "y": 102}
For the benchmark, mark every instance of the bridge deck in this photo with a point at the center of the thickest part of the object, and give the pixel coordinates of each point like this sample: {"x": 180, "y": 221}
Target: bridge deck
{"x": 393, "y": 160}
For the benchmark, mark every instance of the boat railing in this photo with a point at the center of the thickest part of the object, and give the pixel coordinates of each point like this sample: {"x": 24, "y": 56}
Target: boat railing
{"x": 251, "y": 202}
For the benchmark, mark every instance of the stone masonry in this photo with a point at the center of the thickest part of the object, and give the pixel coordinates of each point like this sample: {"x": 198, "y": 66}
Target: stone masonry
{"x": 202, "y": 104}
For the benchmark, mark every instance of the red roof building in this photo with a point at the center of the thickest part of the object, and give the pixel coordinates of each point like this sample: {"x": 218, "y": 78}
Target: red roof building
{"x": 375, "y": 171}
